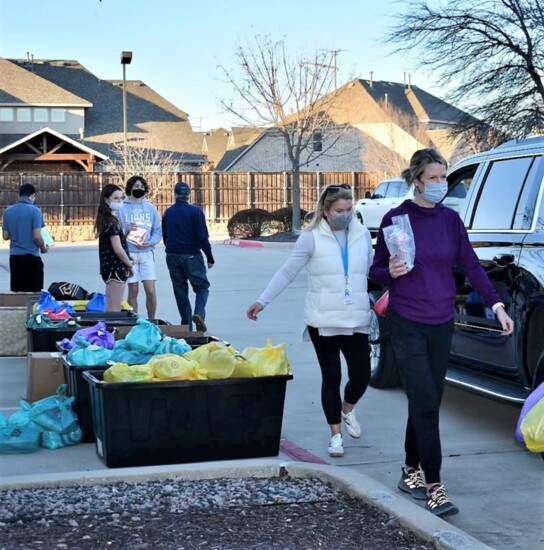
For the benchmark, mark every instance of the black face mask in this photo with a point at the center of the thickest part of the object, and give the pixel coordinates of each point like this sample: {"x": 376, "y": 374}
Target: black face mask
{"x": 138, "y": 193}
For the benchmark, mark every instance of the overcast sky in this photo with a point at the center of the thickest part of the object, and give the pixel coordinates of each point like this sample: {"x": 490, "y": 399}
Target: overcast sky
{"x": 177, "y": 45}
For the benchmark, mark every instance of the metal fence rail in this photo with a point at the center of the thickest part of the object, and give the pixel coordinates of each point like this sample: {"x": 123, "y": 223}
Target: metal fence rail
{"x": 71, "y": 198}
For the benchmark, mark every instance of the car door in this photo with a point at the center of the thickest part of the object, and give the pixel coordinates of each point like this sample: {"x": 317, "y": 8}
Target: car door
{"x": 496, "y": 220}
{"x": 382, "y": 201}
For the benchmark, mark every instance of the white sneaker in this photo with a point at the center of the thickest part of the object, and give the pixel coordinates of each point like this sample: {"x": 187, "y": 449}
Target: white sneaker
{"x": 353, "y": 427}
{"x": 336, "y": 446}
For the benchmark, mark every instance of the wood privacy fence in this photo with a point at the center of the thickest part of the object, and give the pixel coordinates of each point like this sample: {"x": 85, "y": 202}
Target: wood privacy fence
{"x": 71, "y": 198}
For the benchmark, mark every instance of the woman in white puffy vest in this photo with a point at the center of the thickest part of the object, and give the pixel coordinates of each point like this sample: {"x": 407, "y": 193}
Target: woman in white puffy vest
{"x": 337, "y": 253}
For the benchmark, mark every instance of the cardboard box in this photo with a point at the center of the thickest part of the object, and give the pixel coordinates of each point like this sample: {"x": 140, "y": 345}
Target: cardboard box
{"x": 45, "y": 374}
{"x": 18, "y": 299}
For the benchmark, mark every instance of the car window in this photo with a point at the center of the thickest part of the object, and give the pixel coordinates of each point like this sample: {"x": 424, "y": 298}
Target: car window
{"x": 499, "y": 197}
{"x": 381, "y": 191}
{"x": 397, "y": 189}
{"x": 525, "y": 211}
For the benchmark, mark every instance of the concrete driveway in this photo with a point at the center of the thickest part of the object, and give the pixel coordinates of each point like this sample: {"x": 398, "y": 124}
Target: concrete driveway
{"x": 498, "y": 486}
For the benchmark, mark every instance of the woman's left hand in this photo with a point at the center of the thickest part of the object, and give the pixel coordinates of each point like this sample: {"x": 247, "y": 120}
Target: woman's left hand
{"x": 505, "y": 321}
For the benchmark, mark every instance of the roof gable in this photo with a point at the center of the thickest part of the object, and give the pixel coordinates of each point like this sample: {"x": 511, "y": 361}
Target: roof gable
{"x": 21, "y": 86}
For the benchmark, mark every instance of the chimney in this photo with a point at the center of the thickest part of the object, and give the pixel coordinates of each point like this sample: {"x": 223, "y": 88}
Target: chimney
{"x": 370, "y": 81}
{"x": 81, "y": 134}
{"x": 386, "y": 100}
{"x": 409, "y": 81}
{"x": 405, "y": 79}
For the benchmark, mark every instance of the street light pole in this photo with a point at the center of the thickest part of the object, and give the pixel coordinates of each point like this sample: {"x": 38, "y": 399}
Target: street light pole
{"x": 126, "y": 58}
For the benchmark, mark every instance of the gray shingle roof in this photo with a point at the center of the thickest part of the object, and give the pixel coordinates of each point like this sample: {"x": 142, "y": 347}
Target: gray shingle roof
{"x": 152, "y": 121}
{"x": 19, "y": 85}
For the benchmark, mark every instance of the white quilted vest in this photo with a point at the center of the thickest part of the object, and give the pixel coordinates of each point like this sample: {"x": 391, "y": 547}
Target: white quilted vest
{"x": 325, "y": 306}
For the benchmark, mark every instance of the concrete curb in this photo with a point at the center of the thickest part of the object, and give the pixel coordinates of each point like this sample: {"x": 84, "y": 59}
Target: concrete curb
{"x": 256, "y": 244}
{"x": 409, "y": 514}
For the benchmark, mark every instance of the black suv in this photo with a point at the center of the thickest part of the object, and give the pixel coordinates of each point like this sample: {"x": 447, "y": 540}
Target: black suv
{"x": 503, "y": 211}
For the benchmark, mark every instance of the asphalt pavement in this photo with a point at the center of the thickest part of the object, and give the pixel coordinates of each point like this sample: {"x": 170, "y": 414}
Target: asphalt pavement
{"x": 497, "y": 484}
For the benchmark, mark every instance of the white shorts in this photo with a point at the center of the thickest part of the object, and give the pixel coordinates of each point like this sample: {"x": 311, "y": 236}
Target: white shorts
{"x": 143, "y": 268}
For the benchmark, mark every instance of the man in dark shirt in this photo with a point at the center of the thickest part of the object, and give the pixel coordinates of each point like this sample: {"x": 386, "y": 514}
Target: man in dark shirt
{"x": 185, "y": 235}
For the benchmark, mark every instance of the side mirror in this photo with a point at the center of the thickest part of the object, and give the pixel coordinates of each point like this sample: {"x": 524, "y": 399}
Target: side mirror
{"x": 368, "y": 195}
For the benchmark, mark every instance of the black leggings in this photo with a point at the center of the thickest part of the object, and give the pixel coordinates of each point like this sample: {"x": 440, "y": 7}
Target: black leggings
{"x": 355, "y": 350}
{"x": 421, "y": 354}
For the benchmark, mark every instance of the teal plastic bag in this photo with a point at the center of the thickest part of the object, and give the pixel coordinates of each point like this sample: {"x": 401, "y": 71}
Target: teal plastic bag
{"x": 54, "y": 440}
{"x": 18, "y": 434}
{"x": 123, "y": 354}
{"x": 53, "y": 413}
{"x": 168, "y": 344}
{"x": 143, "y": 337}
{"x": 88, "y": 355}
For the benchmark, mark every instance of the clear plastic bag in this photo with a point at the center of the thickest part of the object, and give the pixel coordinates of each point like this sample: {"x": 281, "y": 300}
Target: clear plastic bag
{"x": 399, "y": 239}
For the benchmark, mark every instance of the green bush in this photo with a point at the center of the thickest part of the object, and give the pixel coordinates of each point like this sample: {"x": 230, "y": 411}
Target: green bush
{"x": 252, "y": 222}
{"x": 282, "y": 219}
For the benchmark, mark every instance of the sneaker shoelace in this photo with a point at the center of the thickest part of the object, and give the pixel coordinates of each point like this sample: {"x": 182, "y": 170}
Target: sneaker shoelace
{"x": 439, "y": 496}
{"x": 414, "y": 480}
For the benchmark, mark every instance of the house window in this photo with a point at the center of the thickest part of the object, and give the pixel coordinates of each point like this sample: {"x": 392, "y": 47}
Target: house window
{"x": 6, "y": 114}
{"x": 24, "y": 115}
{"x": 58, "y": 115}
{"x": 40, "y": 115}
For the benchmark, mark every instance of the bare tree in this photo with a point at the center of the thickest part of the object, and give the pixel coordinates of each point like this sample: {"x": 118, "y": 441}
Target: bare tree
{"x": 488, "y": 53}
{"x": 155, "y": 165}
{"x": 291, "y": 94}
{"x": 390, "y": 151}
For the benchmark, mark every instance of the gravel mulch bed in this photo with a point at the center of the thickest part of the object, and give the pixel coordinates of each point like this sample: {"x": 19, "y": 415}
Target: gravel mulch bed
{"x": 277, "y": 513}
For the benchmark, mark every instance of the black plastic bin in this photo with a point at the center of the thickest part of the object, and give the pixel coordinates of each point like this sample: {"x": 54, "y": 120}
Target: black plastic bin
{"x": 152, "y": 423}
{"x": 79, "y": 388}
{"x": 45, "y": 339}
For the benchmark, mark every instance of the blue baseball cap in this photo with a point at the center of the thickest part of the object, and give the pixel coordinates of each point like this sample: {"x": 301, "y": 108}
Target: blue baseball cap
{"x": 182, "y": 189}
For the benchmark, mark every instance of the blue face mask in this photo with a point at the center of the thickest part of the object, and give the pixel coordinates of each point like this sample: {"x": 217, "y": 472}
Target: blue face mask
{"x": 340, "y": 221}
{"x": 434, "y": 192}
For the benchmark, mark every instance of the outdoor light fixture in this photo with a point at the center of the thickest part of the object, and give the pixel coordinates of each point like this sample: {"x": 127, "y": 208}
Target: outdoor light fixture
{"x": 126, "y": 58}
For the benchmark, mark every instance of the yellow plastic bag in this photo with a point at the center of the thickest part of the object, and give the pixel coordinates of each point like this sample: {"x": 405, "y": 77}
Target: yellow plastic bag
{"x": 532, "y": 428}
{"x": 215, "y": 358}
{"x": 170, "y": 366}
{"x": 121, "y": 372}
{"x": 268, "y": 361}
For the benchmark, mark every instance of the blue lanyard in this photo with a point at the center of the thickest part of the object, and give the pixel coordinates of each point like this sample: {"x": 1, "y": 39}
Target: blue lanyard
{"x": 345, "y": 255}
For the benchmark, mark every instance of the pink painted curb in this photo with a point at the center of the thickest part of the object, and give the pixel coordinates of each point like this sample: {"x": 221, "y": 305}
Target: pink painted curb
{"x": 238, "y": 242}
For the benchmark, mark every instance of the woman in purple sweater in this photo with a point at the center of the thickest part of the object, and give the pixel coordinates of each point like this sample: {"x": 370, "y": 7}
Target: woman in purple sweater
{"x": 420, "y": 315}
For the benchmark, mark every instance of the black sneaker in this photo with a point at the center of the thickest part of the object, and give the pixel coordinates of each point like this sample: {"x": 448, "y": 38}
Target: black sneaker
{"x": 412, "y": 482}
{"x": 438, "y": 502}
{"x": 198, "y": 320}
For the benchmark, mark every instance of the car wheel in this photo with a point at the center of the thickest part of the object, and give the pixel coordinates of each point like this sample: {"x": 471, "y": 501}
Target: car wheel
{"x": 383, "y": 371}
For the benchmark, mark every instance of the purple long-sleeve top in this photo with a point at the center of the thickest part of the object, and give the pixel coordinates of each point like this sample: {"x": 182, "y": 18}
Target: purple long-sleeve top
{"x": 427, "y": 293}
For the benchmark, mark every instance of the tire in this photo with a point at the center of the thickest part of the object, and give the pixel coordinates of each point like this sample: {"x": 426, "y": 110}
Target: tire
{"x": 383, "y": 370}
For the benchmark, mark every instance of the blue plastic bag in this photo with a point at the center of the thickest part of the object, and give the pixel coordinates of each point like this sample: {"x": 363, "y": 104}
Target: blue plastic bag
{"x": 143, "y": 337}
{"x": 54, "y": 440}
{"x": 534, "y": 397}
{"x": 97, "y": 303}
{"x": 123, "y": 354}
{"x": 46, "y": 301}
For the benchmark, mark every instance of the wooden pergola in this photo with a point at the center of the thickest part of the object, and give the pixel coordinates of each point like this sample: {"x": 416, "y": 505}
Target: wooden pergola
{"x": 49, "y": 146}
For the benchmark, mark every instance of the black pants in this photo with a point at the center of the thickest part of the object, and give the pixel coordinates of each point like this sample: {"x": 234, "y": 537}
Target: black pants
{"x": 26, "y": 273}
{"x": 421, "y": 353}
{"x": 356, "y": 352}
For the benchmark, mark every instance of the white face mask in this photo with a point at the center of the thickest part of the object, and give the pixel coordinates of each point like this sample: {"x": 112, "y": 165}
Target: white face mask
{"x": 434, "y": 192}
{"x": 116, "y": 206}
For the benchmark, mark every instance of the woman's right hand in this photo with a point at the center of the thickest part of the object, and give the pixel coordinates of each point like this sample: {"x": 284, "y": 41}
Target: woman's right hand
{"x": 254, "y": 310}
{"x": 397, "y": 267}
